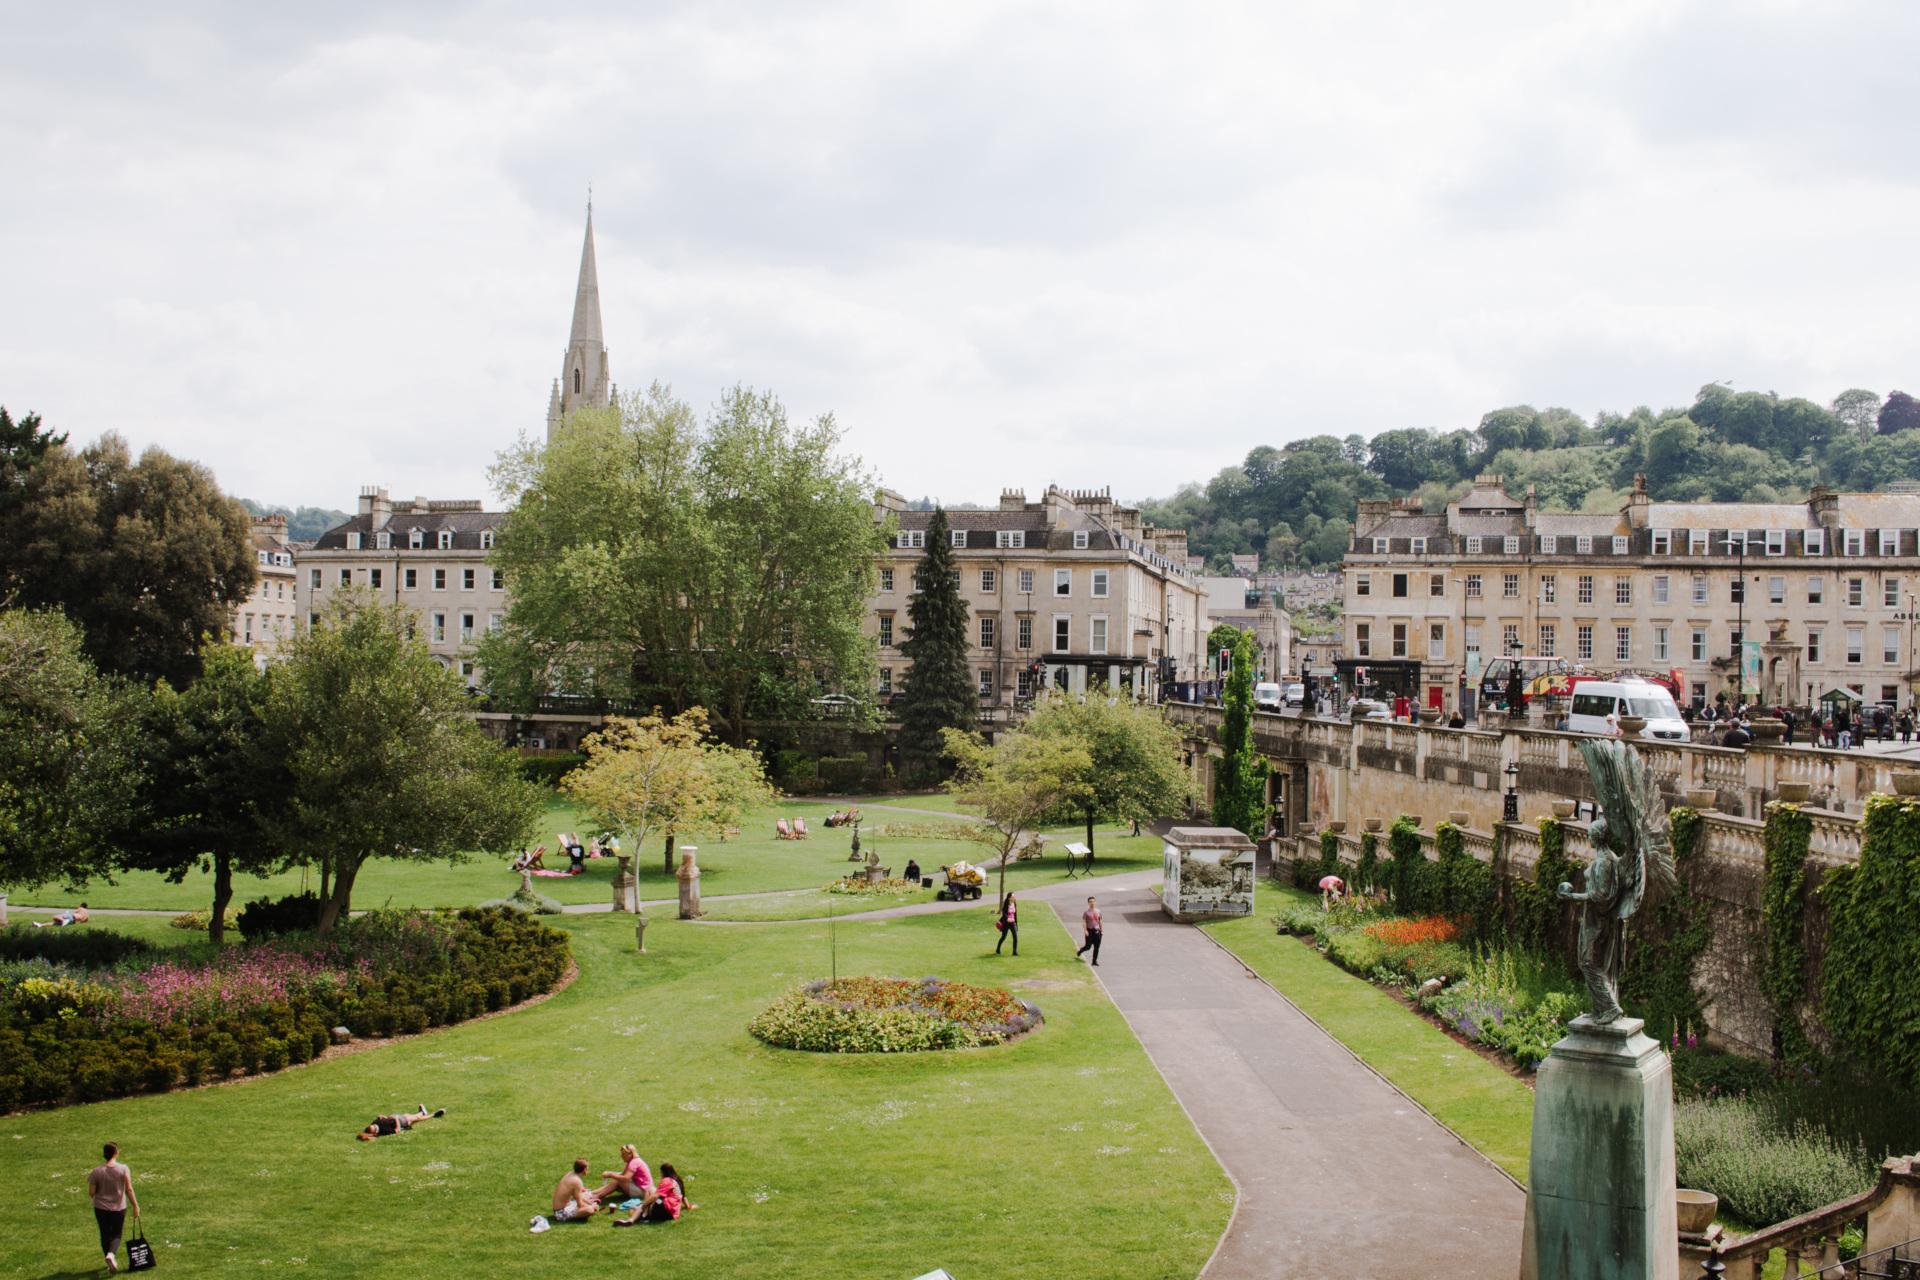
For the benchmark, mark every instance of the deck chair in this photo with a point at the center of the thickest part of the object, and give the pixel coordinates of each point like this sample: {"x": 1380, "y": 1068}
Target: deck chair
{"x": 531, "y": 861}
{"x": 800, "y": 831}
{"x": 781, "y": 830}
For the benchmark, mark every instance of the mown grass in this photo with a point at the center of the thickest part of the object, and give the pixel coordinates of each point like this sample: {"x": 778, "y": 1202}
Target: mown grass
{"x": 1470, "y": 1095}
{"x": 1062, "y": 1155}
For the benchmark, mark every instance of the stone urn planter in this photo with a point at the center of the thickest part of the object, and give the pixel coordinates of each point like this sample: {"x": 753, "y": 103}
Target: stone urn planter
{"x": 1695, "y": 1209}
{"x": 1371, "y": 824}
{"x": 1564, "y": 808}
{"x": 1795, "y": 792}
{"x": 1429, "y": 715}
{"x": 1415, "y": 818}
{"x": 1460, "y": 818}
{"x": 1632, "y": 726}
{"x": 1337, "y": 826}
{"x": 1906, "y": 782}
{"x": 1768, "y": 730}
{"x": 1702, "y": 797}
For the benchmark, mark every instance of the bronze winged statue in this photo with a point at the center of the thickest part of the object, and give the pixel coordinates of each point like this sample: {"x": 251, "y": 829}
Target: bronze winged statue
{"x": 1632, "y": 860}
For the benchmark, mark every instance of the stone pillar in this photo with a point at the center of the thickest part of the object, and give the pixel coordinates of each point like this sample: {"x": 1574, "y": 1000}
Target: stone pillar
{"x": 689, "y": 877}
{"x": 1600, "y": 1201}
{"x": 626, "y": 896}
{"x": 3, "y": 910}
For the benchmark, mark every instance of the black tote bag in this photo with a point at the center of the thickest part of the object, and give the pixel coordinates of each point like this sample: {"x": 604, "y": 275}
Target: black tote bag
{"x": 139, "y": 1252}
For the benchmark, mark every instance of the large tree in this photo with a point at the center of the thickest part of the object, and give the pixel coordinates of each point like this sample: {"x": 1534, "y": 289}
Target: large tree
{"x": 383, "y": 759}
{"x": 1240, "y": 786}
{"x": 149, "y": 557}
{"x": 1135, "y": 754}
{"x": 67, "y": 759}
{"x": 23, "y": 443}
{"x": 208, "y": 779}
{"x": 940, "y": 693}
{"x": 653, "y": 558}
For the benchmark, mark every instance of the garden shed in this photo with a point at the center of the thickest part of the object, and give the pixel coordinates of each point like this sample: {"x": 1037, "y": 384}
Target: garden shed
{"x": 1209, "y": 874}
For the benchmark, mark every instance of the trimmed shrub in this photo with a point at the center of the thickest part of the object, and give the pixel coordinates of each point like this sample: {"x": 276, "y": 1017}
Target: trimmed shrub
{"x": 548, "y": 770}
{"x": 94, "y": 948}
{"x": 892, "y": 1015}
{"x": 271, "y": 917}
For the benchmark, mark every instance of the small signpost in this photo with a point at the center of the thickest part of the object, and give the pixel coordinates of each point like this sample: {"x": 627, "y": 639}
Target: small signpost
{"x": 1078, "y": 850}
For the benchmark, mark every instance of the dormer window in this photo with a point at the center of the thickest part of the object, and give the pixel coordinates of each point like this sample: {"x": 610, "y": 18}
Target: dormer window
{"x": 486, "y": 539}
{"x": 1619, "y": 545}
{"x": 1814, "y": 542}
{"x": 911, "y": 538}
{"x": 1014, "y": 538}
{"x": 1419, "y": 546}
{"x": 353, "y": 542}
{"x": 1380, "y": 546}
{"x": 1512, "y": 546}
{"x": 383, "y": 541}
{"x": 957, "y": 538}
{"x": 262, "y": 555}
{"x": 1549, "y": 544}
{"x": 446, "y": 539}
{"x": 416, "y": 539}
{"x": 1079, "y": 539}
{"x": 1583, "y": 544}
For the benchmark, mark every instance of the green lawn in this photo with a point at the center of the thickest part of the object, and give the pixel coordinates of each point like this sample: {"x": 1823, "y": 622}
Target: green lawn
{"x": 1063, "y": 1155}
{"x": 1473, "y": 1097}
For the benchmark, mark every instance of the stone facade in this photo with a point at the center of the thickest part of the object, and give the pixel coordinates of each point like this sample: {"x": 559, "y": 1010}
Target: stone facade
{"x": 271, "y": 614}
{"x": 1825, "y": 590}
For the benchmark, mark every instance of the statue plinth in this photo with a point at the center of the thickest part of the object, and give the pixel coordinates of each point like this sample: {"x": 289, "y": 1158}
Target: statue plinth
{"x": 1600, "y": 1198}
{"x": 689, "y": 877}
{"x": 625, "y": 887}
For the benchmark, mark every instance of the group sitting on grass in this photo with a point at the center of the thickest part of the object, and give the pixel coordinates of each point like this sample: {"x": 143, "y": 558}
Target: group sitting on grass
{"x": 632, "y": 1188}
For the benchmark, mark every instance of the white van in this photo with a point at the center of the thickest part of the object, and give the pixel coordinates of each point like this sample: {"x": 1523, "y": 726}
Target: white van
{"x": 1595, "y": 700}
{"x": 1266, "y": 696}
{"x": 1293, "y": 693}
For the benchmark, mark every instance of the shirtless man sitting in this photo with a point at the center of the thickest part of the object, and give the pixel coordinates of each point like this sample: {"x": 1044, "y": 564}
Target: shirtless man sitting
{"x": 572, "y": 1202}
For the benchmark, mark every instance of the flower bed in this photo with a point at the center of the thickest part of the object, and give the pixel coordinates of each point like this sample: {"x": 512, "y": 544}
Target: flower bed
{"x": 892, "y": 1015}
{"x": 1407, "y": 933}
{"x": 70, "y": 1033}
{"x": 861, "y": 887}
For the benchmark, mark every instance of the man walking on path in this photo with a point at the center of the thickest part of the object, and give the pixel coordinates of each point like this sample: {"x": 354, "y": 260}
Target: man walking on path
{"x": 1090, "y": 919}
{"x": 112, "y": 1187}
{"x": 1009, "y": 925}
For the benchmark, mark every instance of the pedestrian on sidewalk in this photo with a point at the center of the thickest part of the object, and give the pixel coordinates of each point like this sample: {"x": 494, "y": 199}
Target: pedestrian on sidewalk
{"x": 1009, "y": 923}
{"x": 111, "y": 1185}
{"x": 1906, "y": 727}
{"x": 1090, "y": 919}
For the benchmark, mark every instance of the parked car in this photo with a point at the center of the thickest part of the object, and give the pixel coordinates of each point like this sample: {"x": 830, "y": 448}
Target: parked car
{"x": 1266, "y": 696}
{"x": 1595, "y": 700}
{"x": 1293, "y": 694}
{"x": 1368, "y": 709}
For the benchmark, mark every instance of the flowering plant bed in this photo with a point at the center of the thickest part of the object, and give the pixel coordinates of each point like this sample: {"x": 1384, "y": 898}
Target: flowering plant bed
{"x": 148, "y": 1021}
{"x": 861, "y": 887}
{"x": 1406, "y": 933}
{"x": 892, "y": 1015}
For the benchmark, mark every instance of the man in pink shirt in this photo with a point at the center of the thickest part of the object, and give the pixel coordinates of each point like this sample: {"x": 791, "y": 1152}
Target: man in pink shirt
{"x": 112, "y": 1187}
{"x": 1090, "y": 920}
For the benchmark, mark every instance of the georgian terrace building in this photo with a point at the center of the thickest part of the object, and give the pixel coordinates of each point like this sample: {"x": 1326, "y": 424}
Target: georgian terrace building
{"x": 1074, "y": 591}
{"x": 1825, "y": 589}
{"x": 273, "y": 611}
{"x": 428, "y": 555}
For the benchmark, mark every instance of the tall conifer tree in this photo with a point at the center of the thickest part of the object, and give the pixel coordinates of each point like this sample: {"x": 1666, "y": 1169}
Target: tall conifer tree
{"x": 939, "y": 692}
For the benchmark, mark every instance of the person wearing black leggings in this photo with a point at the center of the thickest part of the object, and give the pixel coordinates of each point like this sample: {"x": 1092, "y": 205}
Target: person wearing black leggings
{"x": 112, "y": 1188}
{"x": 1009, "y": 925}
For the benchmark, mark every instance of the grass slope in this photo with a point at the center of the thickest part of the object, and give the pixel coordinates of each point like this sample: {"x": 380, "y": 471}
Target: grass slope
{"x": 1063, "y": 1155}
{"x": 1473, "y": 1097}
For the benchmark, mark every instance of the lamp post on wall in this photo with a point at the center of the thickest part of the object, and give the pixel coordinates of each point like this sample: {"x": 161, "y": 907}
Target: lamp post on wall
{"x": 1466, "y": 625}
{"x": 1512, "y": 810}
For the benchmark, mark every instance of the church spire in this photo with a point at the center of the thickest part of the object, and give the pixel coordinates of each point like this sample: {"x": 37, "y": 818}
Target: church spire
{"x": 585, "y": 378}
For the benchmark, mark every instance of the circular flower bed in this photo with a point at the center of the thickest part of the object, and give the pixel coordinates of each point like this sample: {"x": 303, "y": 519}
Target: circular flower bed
{"x": 892, "y": 1015}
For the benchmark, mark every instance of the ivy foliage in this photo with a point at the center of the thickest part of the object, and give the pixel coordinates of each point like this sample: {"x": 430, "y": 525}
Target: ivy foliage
{"x": 1412, "y": 880}
{"x": 1871, "y": 974}
{"x": 1783, "y": 910}
{"x": 1329, "y": 854}
{"x": 1466, "y": 888}
{"x": 1536, "y": 916}
{"x": 1366, "y": 873}
{"x": 1666, "y": 942}
{"x": 1240, "y": 787}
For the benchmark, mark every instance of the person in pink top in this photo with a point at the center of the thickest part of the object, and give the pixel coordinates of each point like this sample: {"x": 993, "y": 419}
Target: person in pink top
{"x": 1090, "y": 920}
{"x": 632, "y": 1180}
{"x": 1009, "y": 923}
{"x": 663, "y": 1202}
{"x": 112, "y": 1188}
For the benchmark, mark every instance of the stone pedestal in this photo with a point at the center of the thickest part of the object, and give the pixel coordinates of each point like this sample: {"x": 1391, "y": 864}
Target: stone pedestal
{"x": 1600, "y": 1199}
{"x": 689, "y": 877}
{"x": 626, "y": 887}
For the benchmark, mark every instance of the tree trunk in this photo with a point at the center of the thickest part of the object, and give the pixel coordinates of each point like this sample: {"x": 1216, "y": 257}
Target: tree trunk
{"x": 1089, "y": 837}
{"x": 326, "y": 867}
{"x": 222, "y": 895}
{"x": 669, "y": 854}
{"x": 332, "y": 908}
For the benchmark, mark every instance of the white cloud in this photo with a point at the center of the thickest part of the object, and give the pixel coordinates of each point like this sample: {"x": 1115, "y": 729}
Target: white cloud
{"x": 1003, "y": 243}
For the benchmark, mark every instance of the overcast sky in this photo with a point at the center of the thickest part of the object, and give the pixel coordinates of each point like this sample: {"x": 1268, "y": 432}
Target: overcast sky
{"x": 1104, "y": 244}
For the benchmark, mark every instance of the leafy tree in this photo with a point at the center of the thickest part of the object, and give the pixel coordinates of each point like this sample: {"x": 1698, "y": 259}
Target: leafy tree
{"x": 1012, "y": 786}
{"x": 1135, "y": 769}
{"x": 208, "y": 779}
{"x": 1223, "y": 636}
{"x": 656, "y": 559}
{"x": 1901, "y": 412}
{"x": 22, "y": 444}
{"x": 148, "y": 557}
{"x": 303, "y": 523}
{"x": 68, "y": 764}
{"x": 939, "y": 694}
{"x": 383, "y": 760}
{"x": 658, "y": 775}
{"x": 1240, "y": 786}
{"x": 1858, "y": 408}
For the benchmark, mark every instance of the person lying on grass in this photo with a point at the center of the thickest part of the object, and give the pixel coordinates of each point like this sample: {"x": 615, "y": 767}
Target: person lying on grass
{"x": 572, "y": 1202}
{"x": 632, "y": 1180}
{"x": 385, "y": 1126}
{"x": 61, "y": 919}
{"x": 662, "y": 1202}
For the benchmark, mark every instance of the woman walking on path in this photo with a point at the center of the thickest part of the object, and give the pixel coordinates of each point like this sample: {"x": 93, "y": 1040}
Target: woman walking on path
{"x": 1009, "y": 923}
{"x": 112, "y": 1188}
{"x": 1090, "y": 918}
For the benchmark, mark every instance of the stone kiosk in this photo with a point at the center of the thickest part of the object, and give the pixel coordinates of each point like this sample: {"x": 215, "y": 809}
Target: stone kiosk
{"x": 1209, "y": 874}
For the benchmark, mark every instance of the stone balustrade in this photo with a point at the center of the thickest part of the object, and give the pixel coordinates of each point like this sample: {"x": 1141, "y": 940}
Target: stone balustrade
{"x": 1810, "y": 1243}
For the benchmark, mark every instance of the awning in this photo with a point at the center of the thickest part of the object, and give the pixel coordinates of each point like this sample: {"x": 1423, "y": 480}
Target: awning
{"x": 1841, "y": 695}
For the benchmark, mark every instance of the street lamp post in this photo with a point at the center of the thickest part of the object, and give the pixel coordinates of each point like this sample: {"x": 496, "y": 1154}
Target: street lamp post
{"x": 1466, "y": 625}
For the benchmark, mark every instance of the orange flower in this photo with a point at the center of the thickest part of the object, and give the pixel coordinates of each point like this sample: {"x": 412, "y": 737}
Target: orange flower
{"x": 1403, "y": 933}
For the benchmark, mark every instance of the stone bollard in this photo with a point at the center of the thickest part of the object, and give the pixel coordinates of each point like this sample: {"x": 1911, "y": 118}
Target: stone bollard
{"x": 625, "y": 886}
{"x": 640, "y": 933}
{"x": 689, "y": 877}
{"x": 3, "y": 910}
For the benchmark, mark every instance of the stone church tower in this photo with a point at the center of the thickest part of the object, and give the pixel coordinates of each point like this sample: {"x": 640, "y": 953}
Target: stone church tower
{"x": 585, "y": 381}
